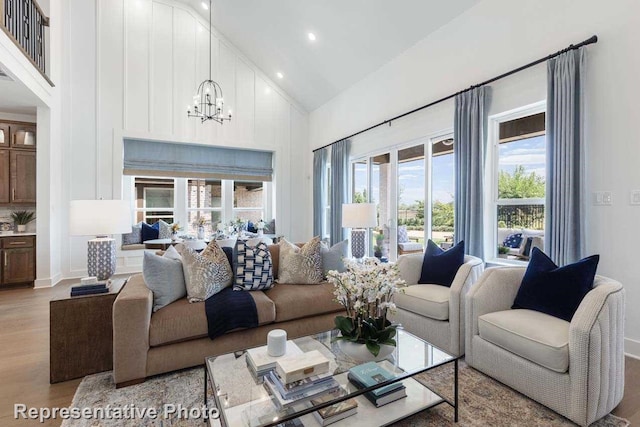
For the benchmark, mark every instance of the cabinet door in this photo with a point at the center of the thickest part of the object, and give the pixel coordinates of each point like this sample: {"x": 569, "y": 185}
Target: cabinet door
{"x": 5, "y": 136}
{"x": 4, "y": 177}
{"x": 19, "y": 265}
{"x": 23, "y": 136}
{"x": 23, "y": 176}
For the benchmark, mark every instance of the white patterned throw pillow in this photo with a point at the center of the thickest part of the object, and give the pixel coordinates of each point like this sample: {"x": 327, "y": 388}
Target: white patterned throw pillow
{"x": 403, "y": 235}
{"x": 164, "y": 232}
{"x": 253, "y": 266}
{"x": 205, "y": 275}
{"x": 300, "y": 265}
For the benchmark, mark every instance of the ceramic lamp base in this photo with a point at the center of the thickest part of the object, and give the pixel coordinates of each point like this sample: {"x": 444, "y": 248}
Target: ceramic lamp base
{"x": 101, "y": 259}
{"x": 358, "y": 240}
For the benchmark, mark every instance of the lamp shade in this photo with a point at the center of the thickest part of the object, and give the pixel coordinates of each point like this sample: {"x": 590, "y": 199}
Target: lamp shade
{"x": 359, "y": 215}
{"x": 99, "y": 217}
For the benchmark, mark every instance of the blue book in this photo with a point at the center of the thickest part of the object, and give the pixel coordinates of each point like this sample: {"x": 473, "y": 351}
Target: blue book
{"x": 370, "y": 374}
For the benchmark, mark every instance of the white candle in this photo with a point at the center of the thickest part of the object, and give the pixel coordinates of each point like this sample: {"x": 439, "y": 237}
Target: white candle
{"x": 277, "y": 343}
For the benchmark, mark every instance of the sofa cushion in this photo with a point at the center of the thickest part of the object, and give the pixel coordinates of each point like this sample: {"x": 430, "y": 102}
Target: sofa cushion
{"x": 439, "y": 267}
{"x": 182, "y": 321}
{"x": 333, "y": 257}
{"x": 300, "y": 265}
{"x": 253, "y": 267}
{"x": 554, "y": 290}
{"x": 410, "y": 246}
{"x": 205, "y": 275}
{"x": 164, "y": 277}
{"x": 538, "y": 337}
{"x": 426, "y": 300}
{"x": 164, "y": 230}
{"x": 150, "y": 232}
{"x": 298, "y": 301}
{"x": 135, "y": 237}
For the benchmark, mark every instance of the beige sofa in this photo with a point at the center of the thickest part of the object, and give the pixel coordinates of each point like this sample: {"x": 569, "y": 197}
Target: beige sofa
{"x": 175, "y": 337}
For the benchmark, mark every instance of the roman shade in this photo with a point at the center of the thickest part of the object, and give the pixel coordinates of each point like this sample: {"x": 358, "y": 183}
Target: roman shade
{"x": 182, "y": 160}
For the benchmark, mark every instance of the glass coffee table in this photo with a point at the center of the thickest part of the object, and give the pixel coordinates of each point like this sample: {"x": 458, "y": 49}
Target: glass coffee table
{"x": 243, "y": 400}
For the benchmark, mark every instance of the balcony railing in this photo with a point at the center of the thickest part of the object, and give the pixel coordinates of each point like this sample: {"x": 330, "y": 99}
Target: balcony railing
{"x": 521, "y": 216}
{"x": 24, "y": 22}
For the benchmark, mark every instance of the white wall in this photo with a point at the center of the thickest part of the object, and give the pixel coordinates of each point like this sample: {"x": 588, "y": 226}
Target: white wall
{"x": 496, "y": 36}
{"x": 135, "y": 66}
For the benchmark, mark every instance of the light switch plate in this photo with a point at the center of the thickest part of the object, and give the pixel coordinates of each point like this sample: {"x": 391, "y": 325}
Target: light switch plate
{"x": 607, "y": 199}
{"x": 634, "y": 198}
{"x": 597, "y": 198}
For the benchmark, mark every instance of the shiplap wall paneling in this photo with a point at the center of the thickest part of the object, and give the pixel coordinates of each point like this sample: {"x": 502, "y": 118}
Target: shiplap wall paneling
{"x": 245, "y": 103}
{"x": 137, "y": 32}
{"x": 184, "y": 65}
{"x": 264, "y": 114}
{"x": 227, "y": 75}
{"x": 161, "y": 95}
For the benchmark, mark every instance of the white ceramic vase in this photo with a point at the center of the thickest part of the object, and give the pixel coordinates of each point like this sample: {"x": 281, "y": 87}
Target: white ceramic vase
{"x": 21, "y": 228}
{"x": 361, "y": 353}
{"x": 201, "y": 232}
{"x": 260, "y": 232}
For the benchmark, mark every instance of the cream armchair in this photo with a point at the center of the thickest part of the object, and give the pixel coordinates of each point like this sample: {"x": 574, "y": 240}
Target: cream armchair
{"x": 575, "y": 368}
{"x": 435, "y": 313}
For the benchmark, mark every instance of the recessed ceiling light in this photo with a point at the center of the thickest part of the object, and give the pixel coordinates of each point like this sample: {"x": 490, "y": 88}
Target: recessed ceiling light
{"x": 280, "y": 75}
{"x": 312, "y": 37}
{"x": 205, "y": 6}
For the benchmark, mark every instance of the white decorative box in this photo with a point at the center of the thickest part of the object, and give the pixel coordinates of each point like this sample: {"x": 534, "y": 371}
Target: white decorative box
{"x": 295, "y": 368}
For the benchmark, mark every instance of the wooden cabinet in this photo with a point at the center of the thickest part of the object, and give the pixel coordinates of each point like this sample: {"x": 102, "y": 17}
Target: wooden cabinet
{"x": 5, "y": 135}
{"x": 17, "y": 163}
{"x": 18, "y": 255}
{"x": 5, "y": 185}
{"x": 23, "y": 136}
{"x": 23, "y": 176}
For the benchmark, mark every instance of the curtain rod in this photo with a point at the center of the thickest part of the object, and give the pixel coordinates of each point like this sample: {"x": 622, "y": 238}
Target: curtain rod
{"x": 590, "y": 40}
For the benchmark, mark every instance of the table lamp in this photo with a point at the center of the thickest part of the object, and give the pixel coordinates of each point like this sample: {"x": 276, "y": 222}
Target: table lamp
{"x": 359, "y": 217}
{"x": 100, "y": 218}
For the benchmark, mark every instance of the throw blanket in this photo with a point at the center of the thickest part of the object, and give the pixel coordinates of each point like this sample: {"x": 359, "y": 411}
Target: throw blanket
{"x": 228, "y": 310}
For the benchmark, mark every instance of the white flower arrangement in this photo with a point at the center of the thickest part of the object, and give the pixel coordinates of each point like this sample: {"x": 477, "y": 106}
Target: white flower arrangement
{"x": 261, "y": 225}
{"x": 366, "y": 290}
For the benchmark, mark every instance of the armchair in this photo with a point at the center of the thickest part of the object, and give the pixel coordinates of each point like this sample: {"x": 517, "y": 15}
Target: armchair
{"x": 434, "y": 312}
{"x": 575, "y": 368}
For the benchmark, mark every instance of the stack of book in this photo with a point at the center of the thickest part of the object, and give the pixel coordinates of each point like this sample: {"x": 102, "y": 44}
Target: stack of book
{"x": 370, "y": 374}
{"x": 336, "y": 412}
{"x": 260, "y": 363}
{"x": 95, "y": 288}
{"x": 300, "y": 378}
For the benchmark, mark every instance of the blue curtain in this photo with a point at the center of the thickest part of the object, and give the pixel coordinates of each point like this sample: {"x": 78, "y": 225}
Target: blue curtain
{"x": 565, "y": 196}
{"x": 339, "y": 187}
{"x": 469, "y": 158}
{"x": 319, "y": 190}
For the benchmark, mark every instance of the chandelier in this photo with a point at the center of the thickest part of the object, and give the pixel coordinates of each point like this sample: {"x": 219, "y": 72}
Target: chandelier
{"x": 208, "y": 103}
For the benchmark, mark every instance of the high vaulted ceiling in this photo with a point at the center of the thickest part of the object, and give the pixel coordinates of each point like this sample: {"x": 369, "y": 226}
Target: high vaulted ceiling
{"x": 353, "y": 37}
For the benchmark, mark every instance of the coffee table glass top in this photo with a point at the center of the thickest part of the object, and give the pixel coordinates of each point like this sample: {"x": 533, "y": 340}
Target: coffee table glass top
{"x": 243, "y": 399}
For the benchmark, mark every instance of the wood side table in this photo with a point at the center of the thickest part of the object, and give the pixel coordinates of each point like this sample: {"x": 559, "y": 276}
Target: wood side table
{"x": 81, "y": 334}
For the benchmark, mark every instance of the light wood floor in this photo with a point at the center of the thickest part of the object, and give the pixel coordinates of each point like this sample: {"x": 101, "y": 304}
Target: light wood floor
{"x": 24, "y": 359}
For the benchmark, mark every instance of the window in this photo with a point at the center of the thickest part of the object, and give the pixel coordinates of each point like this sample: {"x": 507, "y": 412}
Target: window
{"x": 248, "y": 201}
{"x": 204, "y": 200}
{"x": 185, "y": 200}
{"x": 154, "y": 199}
{"x": 442, "y": 189}
{"x": 519, "y": 181}
{"x": 411, "y": 194}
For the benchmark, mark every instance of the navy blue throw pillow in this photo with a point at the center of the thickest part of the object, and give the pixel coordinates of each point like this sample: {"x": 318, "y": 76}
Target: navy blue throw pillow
{"x": 554, "y": 290}
{"x": 513, "y": 240}
{"x": 150, "y": 232}
{"x": 439, "y": 267}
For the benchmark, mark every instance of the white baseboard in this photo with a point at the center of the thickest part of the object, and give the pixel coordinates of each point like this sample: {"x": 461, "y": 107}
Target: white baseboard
{"x": 632, "y": 348}
{"x": 47, "y": 283}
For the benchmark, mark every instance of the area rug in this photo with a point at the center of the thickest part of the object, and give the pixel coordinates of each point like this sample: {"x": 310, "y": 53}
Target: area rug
{"x": 483, "y": 401}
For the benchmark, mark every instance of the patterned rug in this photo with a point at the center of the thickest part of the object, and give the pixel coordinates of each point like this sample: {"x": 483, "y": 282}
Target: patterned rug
{"x": 483, "y": 401}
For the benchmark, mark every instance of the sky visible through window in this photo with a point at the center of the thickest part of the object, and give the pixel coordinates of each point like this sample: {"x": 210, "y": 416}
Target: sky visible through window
{"x": 529, "y": 153}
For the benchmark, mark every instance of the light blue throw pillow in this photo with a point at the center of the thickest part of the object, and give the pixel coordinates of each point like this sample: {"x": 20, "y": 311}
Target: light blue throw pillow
{"x": 333, "y": 257}
{"x": 165, "y": 278}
